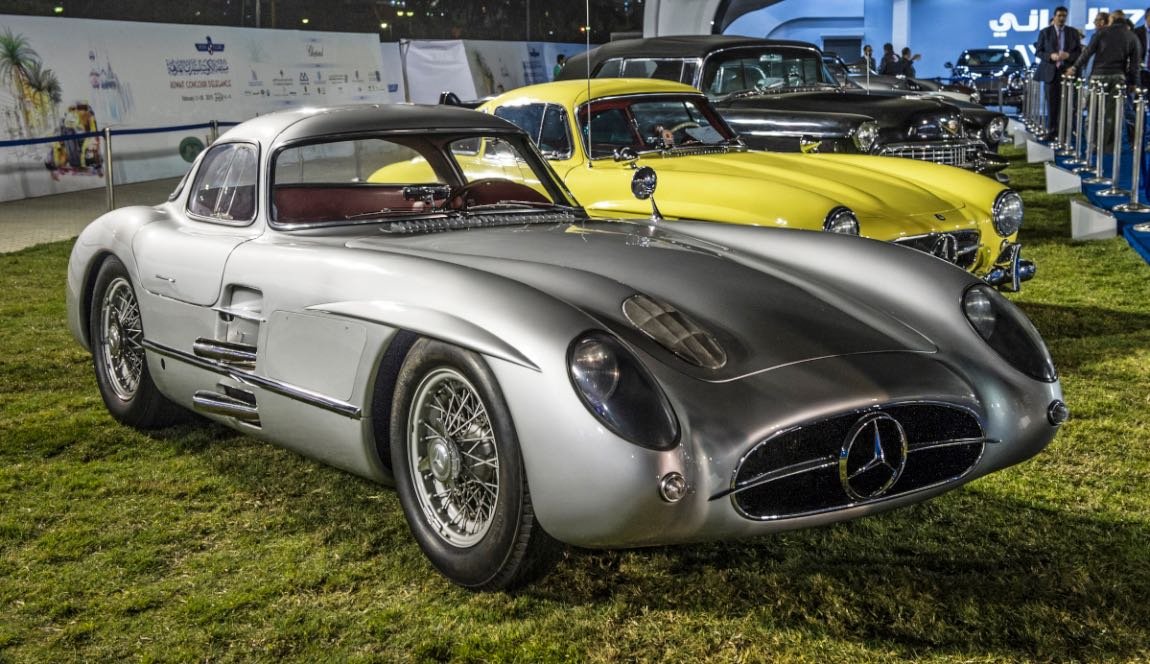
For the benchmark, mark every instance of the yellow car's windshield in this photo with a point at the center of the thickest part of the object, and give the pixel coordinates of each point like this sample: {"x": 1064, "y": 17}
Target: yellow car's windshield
{"x": 651, "y": 123}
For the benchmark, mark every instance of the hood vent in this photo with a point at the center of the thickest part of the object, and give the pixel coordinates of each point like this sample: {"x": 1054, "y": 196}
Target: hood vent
{"x": 673, "y": 330}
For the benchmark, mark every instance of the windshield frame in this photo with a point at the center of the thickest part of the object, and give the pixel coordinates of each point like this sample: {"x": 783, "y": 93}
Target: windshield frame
{"x": 708, "y": 110}
{"x": 439, "y": 141}
{"x": 758, "y": 49}
{"x": 1014, "y": 58}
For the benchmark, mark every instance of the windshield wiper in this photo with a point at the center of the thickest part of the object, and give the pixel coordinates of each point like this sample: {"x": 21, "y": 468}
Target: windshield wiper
{"x": 515, "y": 204}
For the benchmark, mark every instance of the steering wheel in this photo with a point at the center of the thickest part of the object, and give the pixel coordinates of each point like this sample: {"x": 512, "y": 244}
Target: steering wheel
{"x": 684, "y": 125}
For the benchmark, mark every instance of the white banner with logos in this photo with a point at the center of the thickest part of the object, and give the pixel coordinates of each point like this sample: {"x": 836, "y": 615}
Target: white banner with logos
{"x": 473, "y": 69}
{"x": 76, "y": 75}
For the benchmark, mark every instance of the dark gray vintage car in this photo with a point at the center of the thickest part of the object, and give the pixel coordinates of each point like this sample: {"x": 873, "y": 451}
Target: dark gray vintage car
{"x": 993, "y": 72}
{"x": 778, "y": 95}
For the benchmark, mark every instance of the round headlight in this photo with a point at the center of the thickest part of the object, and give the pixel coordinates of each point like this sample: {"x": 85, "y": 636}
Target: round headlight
{"x": 995, "y": 130}
{"x": 595, "y": 369}
{"x": 620, "y": 393}
{"x": 865, "y": 136}
{"x": 975, "y": 98}
{"x": 1007, "y": 213}
{"x": 1008, "y": 331}
{"x": 841, "y": 220}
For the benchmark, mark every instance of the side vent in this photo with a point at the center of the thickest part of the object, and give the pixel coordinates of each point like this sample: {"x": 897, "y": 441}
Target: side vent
{"x": 238, "y": 404}
{"x": 228, "y": 352}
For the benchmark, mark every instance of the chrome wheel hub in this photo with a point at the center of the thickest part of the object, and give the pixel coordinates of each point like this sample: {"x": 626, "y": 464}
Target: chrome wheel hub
{"x": 121, "y": 339}
{"x": 453, "y": 458}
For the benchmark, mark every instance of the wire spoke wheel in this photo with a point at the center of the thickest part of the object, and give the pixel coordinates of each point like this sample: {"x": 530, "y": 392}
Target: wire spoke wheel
{"x": 454, "y": 457}
{"x": 121, "y": 339}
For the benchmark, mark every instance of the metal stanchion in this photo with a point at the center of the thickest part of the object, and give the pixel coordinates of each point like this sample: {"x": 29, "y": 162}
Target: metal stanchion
{"x": 1065, "y": 147}
{"x": 1080, "y": 110}
{"x": 1136, "y": 172}
{"x": 1100, "y": 142}
{"x": 215, "y": 135}
{"x": 109, "y": 186}
{"x": 1091, "y": 118}
{"x": 1116, "y": 156}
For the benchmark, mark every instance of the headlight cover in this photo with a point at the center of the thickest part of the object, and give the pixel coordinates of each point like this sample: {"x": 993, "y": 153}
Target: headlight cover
{"x": 619, "y": 392}
{"x": 996, "y": 130}
{"x": 1007, "y": 213}
{"x": 865, "y": 136}
{"x": 1008, "y": 331}
{"x": 841, "y": 220}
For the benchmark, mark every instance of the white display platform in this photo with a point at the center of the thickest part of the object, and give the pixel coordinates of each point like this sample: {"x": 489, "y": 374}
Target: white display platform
{"x": 1017, "y": 131}
{"x": 1036, "y": 152}
{"x": 1061, "y": 181}
{"x": 1091, "y": 223}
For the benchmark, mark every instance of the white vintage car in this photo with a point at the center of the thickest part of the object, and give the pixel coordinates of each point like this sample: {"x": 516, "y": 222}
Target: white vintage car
{"x": 527, "y": 376}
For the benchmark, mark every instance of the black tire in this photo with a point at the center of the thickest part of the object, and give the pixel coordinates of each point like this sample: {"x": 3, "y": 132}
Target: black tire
{"x": 116, "y": 333}
{"x": 508, "y": 548}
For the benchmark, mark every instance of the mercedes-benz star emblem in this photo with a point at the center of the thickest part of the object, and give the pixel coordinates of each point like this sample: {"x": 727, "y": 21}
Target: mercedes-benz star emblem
{"x": 872, "y": 457}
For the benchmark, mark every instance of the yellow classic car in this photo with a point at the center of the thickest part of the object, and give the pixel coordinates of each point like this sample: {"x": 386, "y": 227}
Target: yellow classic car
{"x": 705, "y": 173}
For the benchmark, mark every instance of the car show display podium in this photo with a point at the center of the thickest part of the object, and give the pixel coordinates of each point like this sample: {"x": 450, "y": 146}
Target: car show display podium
{"x": 1088, "y": 222}
{"x": 1061, "y": 181}
{"x": 1036, "y": 152}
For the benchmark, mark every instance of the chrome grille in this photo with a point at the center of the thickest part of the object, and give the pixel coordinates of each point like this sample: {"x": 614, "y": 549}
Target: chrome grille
{"x": 966, "y": 154}
{"x": 796, "y": 472}
{"x": 966, "y": 245}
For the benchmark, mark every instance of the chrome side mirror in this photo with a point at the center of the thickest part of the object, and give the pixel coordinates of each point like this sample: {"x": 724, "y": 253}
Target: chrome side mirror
{"x": 643, "y": 186}
{"x": 625, "y": 154}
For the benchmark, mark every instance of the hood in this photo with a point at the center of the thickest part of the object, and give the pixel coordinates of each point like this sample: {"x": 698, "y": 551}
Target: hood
{"x": 891, "y": 112}
{"x": 763, "y": 316}
{"x": 870, "y": 193}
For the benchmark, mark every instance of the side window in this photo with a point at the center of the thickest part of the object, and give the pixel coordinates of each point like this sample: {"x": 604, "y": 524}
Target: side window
{"x": 546, "y": 124}
{"x": 610, "y": 69}
{"x": 225, "y": 186}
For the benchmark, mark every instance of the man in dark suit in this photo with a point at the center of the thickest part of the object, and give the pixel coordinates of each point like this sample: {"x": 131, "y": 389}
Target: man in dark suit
{"x": 1140, "y": 33}
{"x": 1058, "y": 46}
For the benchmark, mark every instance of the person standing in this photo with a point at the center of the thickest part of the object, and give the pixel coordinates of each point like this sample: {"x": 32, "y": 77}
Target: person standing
{"x": 906, "y": 62}
{"x": 890, "y": 65}
{"x": 868, "y": 58}
{"x": 560, "y": 60}
{"x": 1058, "y": 46}
{"x": 1144, "y": 54}
{"x": 1116, "y": 57}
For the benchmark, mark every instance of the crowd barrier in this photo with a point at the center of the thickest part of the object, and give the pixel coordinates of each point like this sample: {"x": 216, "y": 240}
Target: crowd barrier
{"x": 1113, "y": 177}
{"x": 107, "y": 134}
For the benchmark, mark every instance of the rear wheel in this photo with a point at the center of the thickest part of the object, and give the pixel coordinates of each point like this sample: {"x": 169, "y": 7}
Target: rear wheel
{"x": 117, "y": 334}
{"x": 459, "y": 473}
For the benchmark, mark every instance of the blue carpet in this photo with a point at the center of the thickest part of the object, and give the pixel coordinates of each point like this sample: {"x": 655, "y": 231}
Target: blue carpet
{"x": 1140, "y": 241}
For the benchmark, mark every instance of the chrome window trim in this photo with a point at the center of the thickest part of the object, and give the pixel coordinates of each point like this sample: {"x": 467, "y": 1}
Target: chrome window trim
{"x": 631, "y": 121}
{"x": 547, "y": 106}
{"x": 191, "y": 188}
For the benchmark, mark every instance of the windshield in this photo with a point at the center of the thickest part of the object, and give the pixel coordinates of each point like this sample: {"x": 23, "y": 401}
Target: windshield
{"x": 991, "y": 58}
{"x": 384, "y": 177}
{"x": 652, "y": 123}
{"x": 773, "y": 68}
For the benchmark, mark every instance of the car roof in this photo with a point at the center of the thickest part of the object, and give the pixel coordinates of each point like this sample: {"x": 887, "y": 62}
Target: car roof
{"x": 305, "y": 123}
{"x": 677, "y": 46}
{"x": 573, "y": 93}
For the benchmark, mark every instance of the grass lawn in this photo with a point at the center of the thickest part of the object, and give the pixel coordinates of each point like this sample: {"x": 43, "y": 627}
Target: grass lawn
{"x": 198, "y": 544}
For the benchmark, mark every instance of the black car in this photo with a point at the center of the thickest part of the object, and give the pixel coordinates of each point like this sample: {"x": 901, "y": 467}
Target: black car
{"x": 991, "y": 71}
{"x": 779, "y": 95}
{"x": 987, "y": 124}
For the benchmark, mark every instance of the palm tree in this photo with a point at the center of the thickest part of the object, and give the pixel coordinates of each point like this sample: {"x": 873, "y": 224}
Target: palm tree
{"x": 16, "y": 56}
{"x": 44, "y": 89}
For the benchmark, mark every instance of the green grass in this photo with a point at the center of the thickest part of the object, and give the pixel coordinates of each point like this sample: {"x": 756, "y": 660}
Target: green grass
{"x": 198, "y": 544}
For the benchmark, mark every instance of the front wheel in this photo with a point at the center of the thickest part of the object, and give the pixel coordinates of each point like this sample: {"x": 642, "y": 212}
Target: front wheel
{"x": 459, "y": 473}
{"x": 117, "y": 334}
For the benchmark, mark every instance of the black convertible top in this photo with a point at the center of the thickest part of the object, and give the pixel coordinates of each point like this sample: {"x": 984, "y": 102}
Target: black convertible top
{"x": 679, "y": 46}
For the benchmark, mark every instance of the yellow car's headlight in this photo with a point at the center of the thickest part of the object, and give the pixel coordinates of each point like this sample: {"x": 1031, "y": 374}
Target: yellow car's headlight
{"x": 841, "y": 220}
{"x": 1007, "y": 213}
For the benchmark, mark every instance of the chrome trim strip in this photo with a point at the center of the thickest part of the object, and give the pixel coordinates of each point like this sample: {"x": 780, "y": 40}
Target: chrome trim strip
{"x": 956, "y": 442}
{"x": 224, "y": 351}
{"x": 213, "y": 403}
{"x": 242, "y": 314}
{"x": 780, "y": 474}
{"x": 300, "y": 394}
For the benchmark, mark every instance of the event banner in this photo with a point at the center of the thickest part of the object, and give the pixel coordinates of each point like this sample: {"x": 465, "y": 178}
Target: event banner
{"x": 64, "y": 76}
{"x": 478, "y": 68}
{"x": 942, "y": 29}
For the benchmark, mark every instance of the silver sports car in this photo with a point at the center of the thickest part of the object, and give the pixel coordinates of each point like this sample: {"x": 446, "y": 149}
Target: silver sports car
{"x": 369, "y": 287}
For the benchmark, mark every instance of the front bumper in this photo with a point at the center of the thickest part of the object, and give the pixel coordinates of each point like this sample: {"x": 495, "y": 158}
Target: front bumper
{"x": 1010, "y": 270}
